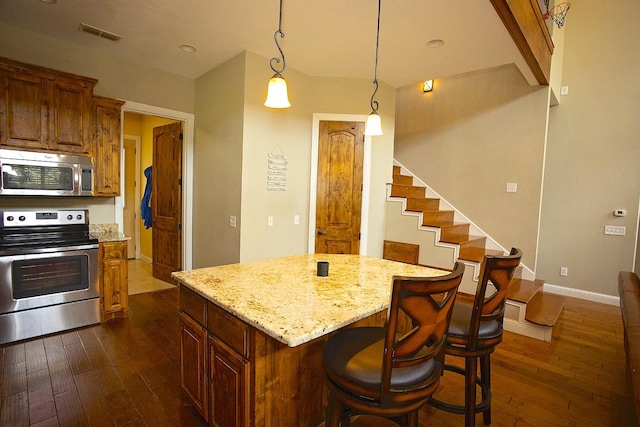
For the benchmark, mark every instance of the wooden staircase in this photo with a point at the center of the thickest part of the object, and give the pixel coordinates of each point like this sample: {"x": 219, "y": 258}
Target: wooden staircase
{"x": 530, "y": 311}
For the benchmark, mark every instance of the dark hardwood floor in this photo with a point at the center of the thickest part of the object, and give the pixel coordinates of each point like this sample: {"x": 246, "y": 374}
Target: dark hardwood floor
{"x": 126, "y": 373}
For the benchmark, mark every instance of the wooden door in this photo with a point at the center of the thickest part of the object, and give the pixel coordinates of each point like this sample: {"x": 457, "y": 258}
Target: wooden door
{"x": 339, "y": 192}
{"x": 130, "y": 183}
{"x": 166, "y": 200}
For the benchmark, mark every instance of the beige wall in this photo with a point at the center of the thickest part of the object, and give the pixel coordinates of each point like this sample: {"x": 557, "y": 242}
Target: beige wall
{"x": 593, "y": 150}
{"x": 218, "y": 164}
{"x": 471, "y": 136}
{"x": 234, "y": 135}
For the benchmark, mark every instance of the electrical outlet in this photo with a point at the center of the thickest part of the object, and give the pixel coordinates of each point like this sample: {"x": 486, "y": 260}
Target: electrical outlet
{"x": 564, "y": 90}
{"x": 614, "y": 230}
{"x": 296, "y": 220}
{"x": 512, "y": 187}
{"x": 270, "y": 221}
{"x": 564, "y": 271}
{"x": 232, "y": 221}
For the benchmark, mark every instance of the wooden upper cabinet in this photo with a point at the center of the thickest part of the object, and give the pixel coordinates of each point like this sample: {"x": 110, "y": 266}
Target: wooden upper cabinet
{"x": 70, "y": 116}
{"x": 23, "y": 111}
{"x": 106, "y": 116}
{"x": 43, "y": 109}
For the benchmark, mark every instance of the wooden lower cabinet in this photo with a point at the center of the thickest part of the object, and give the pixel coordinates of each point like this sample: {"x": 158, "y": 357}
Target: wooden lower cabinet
{"x": 228, "y": 385}
{"x": 193, "y": 363}
{"x": 243, "y": 377}
{"x": 114, "y": 280}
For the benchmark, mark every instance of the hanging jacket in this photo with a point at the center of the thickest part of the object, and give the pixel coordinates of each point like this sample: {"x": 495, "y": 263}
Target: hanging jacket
{"x": 145, "y": 207}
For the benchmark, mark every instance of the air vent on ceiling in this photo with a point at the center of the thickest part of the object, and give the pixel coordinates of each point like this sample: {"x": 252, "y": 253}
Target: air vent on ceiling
{"x": 98, "y": 32}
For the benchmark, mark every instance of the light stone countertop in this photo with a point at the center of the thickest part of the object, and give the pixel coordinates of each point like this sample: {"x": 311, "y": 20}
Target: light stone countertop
{"x": 284, "y": 298}
{"x": 107, "y": 233}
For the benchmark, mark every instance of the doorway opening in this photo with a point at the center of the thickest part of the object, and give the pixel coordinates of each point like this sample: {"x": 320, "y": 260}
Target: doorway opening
{"x": 123, "y": 207}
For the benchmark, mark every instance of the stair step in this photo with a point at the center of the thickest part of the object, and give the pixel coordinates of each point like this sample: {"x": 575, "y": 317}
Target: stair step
{"x": 458, "y": 232}
{"x": 493, "y": 252}
{"x": 402, "y": 179}
{"x": 476, "y": 254}
{"x": 523, "y": 290}
{"x": 544, "y": 309}
{"x": 397, "y": 170}
{"x": 398, "y": 190}
{"x": 473, "y": 249}
{"x": 437, "y": 218}
{"x": 422, "y": 204}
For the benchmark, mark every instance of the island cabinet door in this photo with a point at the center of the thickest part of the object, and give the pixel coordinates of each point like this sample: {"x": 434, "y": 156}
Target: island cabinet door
{"x": 228, "y": 386}
{"x": 193, "y": 363}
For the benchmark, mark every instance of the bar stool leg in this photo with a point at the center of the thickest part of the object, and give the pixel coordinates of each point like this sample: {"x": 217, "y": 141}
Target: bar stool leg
{"x": 333, "y": 413}
{"x": 485, "y": 378}
{"x": 471, "y": 373}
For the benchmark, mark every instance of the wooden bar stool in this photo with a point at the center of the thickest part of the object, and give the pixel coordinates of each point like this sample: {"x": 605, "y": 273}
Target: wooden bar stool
{"x": 387, "y": 371}
{"x": 474, "y": 332}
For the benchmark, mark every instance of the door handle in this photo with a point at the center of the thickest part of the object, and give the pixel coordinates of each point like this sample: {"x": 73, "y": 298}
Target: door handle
{"x": 320, "y": 232}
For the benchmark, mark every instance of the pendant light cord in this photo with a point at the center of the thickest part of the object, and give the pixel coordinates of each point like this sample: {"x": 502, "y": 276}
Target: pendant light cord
{"x": 374, "y": 103}
{"x": 276, "y": 60}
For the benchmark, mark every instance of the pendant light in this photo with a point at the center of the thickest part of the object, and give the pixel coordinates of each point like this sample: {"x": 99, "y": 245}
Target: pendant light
{"x": 374, "y": 125}
{"x": 277, "y": 92}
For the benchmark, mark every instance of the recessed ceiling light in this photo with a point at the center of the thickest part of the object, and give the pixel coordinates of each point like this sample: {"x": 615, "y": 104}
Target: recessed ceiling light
{"x": 187, "y": 48}
{"x": 435, "y": 43}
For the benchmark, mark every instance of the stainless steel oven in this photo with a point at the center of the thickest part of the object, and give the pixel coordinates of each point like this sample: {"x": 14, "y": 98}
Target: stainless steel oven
{"x": 48, "y": 273}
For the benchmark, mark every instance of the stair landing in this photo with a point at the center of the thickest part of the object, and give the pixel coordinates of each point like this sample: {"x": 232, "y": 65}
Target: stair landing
{"x": 541, "y": 308}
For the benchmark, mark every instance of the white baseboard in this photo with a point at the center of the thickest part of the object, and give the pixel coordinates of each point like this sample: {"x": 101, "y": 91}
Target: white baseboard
{"x": 580, "y": 294}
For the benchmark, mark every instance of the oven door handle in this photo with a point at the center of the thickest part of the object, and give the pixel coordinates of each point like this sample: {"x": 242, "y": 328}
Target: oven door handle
{"x": 51, "y": 250}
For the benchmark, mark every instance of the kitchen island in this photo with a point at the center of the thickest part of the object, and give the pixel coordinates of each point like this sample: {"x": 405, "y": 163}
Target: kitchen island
{"x": 252, "y": 333}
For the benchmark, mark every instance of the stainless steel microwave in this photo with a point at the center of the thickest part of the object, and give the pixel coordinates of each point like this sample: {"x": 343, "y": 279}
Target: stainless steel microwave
{"x": 26, "y": 173}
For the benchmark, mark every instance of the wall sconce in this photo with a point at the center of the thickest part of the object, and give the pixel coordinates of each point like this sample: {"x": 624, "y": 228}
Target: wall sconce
{"x": 277, "y": 96}
{"x": 427, "y": 86}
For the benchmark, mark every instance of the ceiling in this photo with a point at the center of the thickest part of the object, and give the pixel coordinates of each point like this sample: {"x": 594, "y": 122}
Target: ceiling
{"x": 334, "y": 38}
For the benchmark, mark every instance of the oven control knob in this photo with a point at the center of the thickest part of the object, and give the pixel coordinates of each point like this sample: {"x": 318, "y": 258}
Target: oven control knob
{"x": 10, "y": 218}
{"x": 21, "y": 218}
{"x": 69, "y": 217}
{"x": 79, "y": 216}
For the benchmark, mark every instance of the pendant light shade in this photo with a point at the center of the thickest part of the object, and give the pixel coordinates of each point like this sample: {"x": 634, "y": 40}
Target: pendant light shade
{"x": 374, "y": 124}
{"x": 277, "y": 96}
